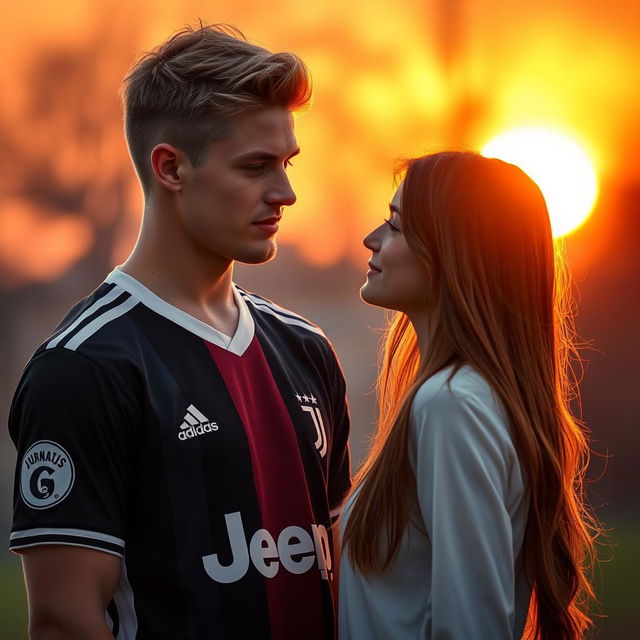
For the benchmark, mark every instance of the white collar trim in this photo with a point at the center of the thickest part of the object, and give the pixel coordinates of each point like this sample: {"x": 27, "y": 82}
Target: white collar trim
{"x": 237, "y": 344}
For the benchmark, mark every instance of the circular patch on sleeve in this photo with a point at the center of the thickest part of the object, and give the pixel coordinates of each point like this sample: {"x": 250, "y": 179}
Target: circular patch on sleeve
{"x": 47, "y": 475}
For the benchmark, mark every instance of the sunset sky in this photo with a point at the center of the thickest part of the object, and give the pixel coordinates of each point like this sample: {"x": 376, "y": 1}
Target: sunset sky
{"x": 391, "y": 80}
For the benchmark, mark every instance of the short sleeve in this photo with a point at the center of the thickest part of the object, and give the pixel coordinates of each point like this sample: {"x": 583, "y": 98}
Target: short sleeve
{"x": 73, "y": 426}
{"x": 340, "y": 459}
{"x": 464, "y": 455}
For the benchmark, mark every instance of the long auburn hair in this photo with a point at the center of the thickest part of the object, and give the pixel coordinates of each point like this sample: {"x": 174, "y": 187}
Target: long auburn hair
{"x": 499, "y": 301}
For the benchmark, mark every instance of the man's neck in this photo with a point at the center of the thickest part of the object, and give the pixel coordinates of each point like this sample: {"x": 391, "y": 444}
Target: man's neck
{"x": 201, "y": 289}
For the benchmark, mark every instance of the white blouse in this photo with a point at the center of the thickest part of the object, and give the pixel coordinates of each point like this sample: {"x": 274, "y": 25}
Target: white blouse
{"x": 457, "y": 575}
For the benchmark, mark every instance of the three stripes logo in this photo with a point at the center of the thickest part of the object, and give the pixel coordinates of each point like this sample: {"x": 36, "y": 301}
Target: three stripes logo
{"x": 306, "y": 404}
{"x": 195, "y": 424}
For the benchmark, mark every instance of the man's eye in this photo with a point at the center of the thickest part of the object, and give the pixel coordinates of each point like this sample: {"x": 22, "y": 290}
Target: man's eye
{"x": 255, "y": 168}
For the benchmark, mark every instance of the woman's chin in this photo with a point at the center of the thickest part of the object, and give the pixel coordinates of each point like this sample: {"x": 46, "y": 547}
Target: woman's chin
{"x": 369, "y": 296}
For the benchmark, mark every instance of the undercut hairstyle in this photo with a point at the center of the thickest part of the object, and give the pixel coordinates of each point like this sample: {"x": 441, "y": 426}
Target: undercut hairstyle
{"x": 186, "y": 90}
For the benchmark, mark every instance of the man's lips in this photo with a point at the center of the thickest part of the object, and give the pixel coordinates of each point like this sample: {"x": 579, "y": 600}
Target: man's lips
{"x": 374, "y": 268}
{"x": 268, "y": 221}
{"x": 268, "y": 225}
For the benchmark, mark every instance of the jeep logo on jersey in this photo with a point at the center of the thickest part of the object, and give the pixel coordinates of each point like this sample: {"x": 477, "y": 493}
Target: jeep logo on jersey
{"x": 46, "y": 476}
{"x": 306, "y": 402}
{"x": 195, "y": 423}
{"x": 295, "y": 550}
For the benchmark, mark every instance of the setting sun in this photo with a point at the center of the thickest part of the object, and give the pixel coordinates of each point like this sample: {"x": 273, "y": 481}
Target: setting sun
{"x": 560, "y": 167}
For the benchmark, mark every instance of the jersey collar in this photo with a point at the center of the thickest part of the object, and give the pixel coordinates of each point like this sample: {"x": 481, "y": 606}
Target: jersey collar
{"x": 236, "y": 344}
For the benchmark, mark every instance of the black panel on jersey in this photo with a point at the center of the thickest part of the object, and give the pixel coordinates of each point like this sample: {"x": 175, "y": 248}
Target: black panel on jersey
{"x": 326, "y": 382}
{"x": 218, "y": 473}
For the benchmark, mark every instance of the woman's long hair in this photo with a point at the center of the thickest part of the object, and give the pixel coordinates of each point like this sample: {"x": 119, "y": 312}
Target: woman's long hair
{"x": 498, "y": 301}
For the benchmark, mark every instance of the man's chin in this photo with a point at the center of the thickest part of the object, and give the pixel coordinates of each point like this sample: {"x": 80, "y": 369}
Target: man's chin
{"x": 259, "y": 257}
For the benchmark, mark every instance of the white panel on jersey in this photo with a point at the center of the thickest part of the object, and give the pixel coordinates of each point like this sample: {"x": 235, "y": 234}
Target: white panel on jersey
{"x": 123, "y": 598}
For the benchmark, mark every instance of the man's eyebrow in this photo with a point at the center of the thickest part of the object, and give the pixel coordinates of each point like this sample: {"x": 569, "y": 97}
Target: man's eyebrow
{"x": 265, "y": 155}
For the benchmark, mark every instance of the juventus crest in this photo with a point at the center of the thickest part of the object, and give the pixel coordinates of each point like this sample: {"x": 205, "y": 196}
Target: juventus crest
{"x": 308, "y": 403}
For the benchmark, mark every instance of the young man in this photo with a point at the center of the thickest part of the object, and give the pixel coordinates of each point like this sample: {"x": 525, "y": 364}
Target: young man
{"x": 182, "y": 443}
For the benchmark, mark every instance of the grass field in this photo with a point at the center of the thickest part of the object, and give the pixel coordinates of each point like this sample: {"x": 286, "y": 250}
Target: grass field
{"x": 13, "y": 602}
{"x": 618, "y": 587}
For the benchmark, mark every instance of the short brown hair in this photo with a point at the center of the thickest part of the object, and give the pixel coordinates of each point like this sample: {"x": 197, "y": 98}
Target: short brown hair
{"x": 184, "y": 90}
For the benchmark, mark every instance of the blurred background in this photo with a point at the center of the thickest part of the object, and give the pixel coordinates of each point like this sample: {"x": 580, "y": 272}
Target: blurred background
{"x": 391, "y": 80}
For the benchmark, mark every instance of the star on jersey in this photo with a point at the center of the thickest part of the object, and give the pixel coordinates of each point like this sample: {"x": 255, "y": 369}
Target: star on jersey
{"x": 307, "y": 398}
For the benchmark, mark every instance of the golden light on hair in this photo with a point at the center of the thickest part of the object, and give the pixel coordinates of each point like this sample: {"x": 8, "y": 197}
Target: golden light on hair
{"x": 559, "y": 165}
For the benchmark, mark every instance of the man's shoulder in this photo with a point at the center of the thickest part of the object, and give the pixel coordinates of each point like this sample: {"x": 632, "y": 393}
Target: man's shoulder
{"x": 279, "y": 316}
{"x": 92, "y": 351}
{"x": 94, "y": 330}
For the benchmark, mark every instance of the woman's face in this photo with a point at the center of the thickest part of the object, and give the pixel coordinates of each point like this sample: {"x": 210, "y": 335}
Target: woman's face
{"x": 396, "y": 278}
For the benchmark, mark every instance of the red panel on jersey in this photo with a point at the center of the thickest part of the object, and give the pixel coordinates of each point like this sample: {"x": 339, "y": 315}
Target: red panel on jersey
{"x": 295, "y": 601}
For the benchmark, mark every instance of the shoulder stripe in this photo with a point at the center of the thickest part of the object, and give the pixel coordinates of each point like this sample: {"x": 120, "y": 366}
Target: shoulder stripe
{"x": 298, "y": 322}
{"x": 100, "y": 321}
{"x": 98, "y": 304}
{"x": 259, "y": 300}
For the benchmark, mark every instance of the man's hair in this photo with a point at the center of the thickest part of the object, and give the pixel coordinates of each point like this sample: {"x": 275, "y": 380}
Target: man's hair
{"x": 185, "y": 90}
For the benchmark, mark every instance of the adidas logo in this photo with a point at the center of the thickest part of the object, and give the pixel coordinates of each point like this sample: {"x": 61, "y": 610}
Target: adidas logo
{"x": 195, "y": 424}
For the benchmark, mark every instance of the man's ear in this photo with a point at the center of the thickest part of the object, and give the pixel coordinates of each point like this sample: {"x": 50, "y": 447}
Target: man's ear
{"x": 165, "y": 162}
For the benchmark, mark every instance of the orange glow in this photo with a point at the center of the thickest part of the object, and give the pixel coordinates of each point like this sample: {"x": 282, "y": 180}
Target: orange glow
{"x": 559, "y": 166}
{"x": 34, "y": 246}
{"x": 390, "y": 81}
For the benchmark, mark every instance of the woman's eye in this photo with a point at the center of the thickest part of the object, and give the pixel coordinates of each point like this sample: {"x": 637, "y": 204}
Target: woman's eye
{"x": 288, "y": 163}
{"x": 255, "y": 168}
{"x": 391, "y": 225}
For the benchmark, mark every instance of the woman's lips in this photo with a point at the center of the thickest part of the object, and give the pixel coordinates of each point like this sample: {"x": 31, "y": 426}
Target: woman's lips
{"x": 373, "y": 269}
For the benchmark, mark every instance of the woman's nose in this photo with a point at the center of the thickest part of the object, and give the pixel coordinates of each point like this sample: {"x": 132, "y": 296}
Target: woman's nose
{"x": 372, "y": 240}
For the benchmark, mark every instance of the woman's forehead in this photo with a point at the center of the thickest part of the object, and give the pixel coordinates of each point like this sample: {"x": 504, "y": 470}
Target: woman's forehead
{"x": 397, "y": 198}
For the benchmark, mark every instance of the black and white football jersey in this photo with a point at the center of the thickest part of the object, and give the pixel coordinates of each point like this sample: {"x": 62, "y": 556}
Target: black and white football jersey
{"x": 213, "y": 466}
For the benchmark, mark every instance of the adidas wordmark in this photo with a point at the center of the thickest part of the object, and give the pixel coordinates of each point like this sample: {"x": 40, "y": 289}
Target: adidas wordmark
{"x": 195, "y": 424}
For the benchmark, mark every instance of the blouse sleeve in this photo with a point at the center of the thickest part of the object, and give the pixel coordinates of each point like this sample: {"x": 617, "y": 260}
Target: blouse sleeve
{"x": 464, "y": 456}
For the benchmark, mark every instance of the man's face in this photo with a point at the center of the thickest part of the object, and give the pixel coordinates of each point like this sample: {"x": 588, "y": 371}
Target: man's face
{"x": 232, "y": 203}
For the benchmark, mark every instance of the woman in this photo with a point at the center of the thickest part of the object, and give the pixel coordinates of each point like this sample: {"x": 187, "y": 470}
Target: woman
{"x": 467, "y": 520}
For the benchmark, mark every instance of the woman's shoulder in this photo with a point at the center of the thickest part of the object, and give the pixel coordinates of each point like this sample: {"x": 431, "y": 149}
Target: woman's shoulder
{"x": 454, "y": 385}
{"x": 459, "y": 400}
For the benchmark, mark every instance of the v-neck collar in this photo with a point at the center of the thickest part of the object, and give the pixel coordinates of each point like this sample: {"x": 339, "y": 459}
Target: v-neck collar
{"x": 236, "y": 344}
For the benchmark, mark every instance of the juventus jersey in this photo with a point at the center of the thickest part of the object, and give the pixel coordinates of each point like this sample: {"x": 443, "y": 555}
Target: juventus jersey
{"x": 212, "y": 466}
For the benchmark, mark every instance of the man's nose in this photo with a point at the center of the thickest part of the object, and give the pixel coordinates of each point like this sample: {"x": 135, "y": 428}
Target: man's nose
{"x": 282, "y": 193}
